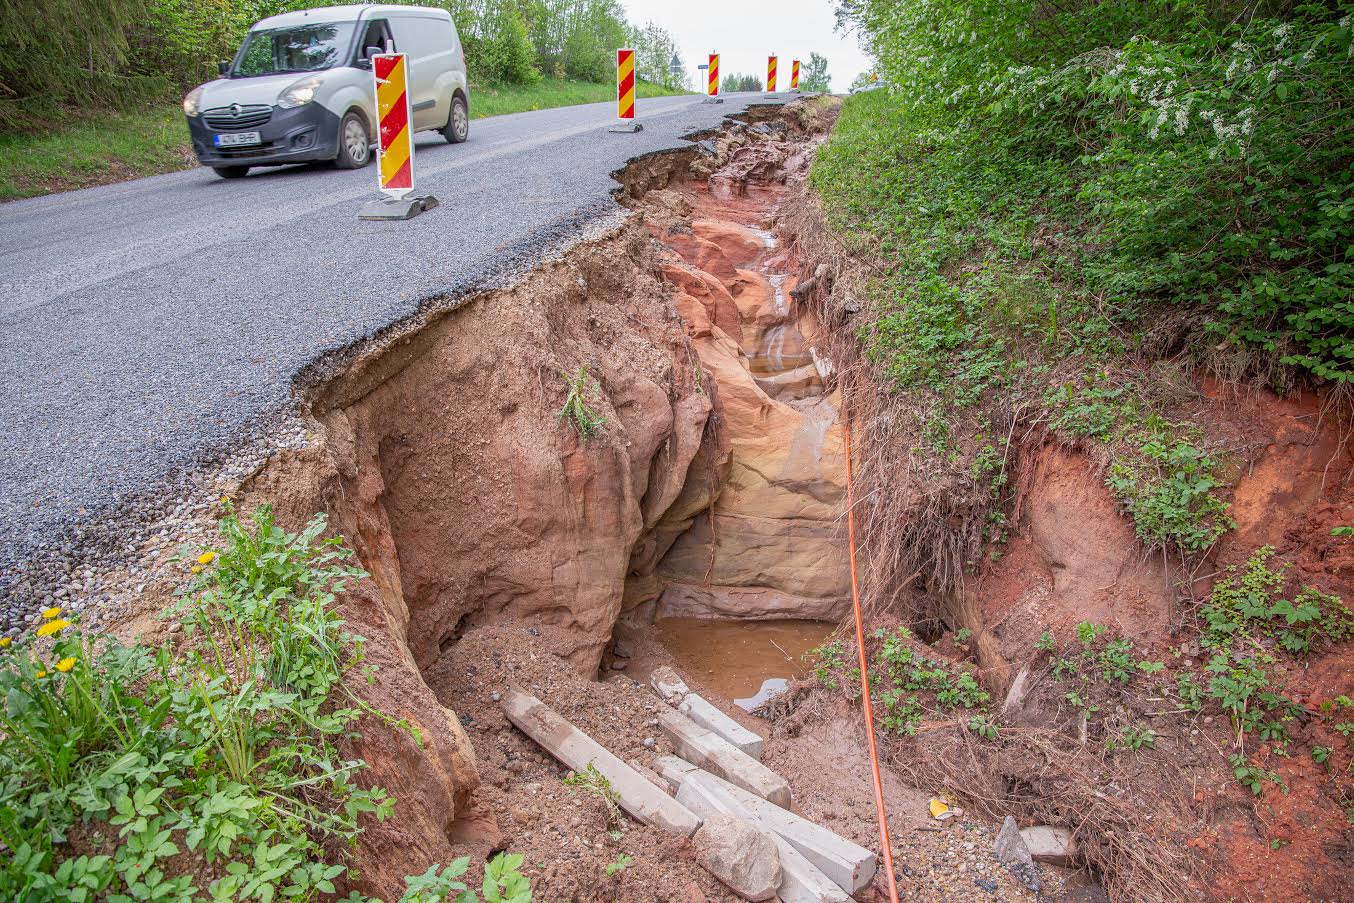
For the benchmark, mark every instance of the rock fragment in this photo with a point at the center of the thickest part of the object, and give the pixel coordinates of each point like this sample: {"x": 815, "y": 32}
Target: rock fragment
{"x": 739, "y": 855}
{"x": 1046, "y": 843}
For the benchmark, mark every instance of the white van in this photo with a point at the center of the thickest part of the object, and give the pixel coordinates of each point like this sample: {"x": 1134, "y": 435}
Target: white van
{"x": 300, "y": 87}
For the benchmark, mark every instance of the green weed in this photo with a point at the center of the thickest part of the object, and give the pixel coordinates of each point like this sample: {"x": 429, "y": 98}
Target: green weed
{"x": 592, "y": 781}
{"x": 586, "y": 421}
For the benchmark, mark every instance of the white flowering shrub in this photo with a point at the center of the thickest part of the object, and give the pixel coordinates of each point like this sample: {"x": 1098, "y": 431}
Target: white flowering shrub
{"x": 1202, "y": 152}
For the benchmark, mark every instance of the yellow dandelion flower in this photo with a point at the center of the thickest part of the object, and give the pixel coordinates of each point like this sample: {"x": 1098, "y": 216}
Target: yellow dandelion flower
{"x": 206, "y": 558}
{"x": 42, "y": 674}
{"x": 65, "y": 664}
{"x": 49, "y": 613}
{"x": 52, "y": 628}
{"x": 5, "y": 641}
{"x": 196, "y": 569}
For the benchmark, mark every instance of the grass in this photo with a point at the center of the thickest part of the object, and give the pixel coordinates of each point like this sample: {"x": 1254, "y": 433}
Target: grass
{"x": 497, "y": 100}
{"x": 100, "y": 148}
{"x": 92, "y": 150}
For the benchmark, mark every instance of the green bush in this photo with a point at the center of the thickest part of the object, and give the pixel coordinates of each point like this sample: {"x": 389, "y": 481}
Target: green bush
{"x": 136, "y": 773}
{"x": 99, "y": 54}
{"x": 1190, "y": 154}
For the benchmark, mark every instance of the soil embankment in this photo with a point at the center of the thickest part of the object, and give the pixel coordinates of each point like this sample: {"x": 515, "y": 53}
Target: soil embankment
{"x": 649, "y": 428}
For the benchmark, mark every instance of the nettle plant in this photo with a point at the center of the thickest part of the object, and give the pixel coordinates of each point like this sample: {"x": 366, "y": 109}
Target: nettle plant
{"x": 130, "y": 773}
{"x": 909, "y": 685}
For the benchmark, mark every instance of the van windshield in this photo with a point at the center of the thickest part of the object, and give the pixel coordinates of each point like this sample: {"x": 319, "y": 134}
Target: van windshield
{"x": 301, "y": 48}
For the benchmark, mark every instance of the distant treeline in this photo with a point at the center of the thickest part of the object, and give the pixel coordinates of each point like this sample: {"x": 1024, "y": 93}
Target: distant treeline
{"x": 88, "y": 54}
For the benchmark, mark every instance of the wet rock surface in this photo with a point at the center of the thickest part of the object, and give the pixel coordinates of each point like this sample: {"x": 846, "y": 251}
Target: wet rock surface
{"x": 771, "y": 545}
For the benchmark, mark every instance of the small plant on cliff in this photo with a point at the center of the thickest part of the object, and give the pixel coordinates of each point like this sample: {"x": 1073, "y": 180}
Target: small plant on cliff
{"x": 586, "y": 421}
{"x": 621, "y": 863}
{"x": 503, "y": 883}
{"x": 593, "y": 781}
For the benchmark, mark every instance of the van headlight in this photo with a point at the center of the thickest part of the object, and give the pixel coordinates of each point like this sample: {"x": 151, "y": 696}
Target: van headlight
{"x": 299, "y": 94}
{"x": 192, "y": 102}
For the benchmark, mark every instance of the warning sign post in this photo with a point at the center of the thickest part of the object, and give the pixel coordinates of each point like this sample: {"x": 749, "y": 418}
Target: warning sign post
{"x": 625, "y": 92}
{"x": 712, "y": 82}
{"x": 394, "y": 143}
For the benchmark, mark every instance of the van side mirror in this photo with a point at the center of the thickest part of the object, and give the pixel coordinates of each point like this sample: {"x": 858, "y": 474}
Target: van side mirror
{"x": 223, "y": 67}
{"x": 372, "y": 51}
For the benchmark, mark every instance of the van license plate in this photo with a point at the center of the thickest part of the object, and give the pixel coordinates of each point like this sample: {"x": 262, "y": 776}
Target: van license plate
{"x": 237, "y": 139}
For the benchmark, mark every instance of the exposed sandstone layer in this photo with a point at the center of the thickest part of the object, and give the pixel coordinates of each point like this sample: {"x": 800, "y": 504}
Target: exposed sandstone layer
{"x": 771, "y": 545}
{"x": 478, "y": 502}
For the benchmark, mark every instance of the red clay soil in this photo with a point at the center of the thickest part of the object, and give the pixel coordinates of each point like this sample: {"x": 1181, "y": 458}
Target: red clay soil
{"x": 1072, "y": 557}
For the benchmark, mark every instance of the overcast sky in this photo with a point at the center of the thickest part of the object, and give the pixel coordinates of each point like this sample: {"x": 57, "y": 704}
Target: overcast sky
{"x": 746, "y": 32}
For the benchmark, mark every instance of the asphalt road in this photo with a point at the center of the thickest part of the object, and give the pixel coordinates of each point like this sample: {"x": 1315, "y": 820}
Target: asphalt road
{"x": 149, "y": 324}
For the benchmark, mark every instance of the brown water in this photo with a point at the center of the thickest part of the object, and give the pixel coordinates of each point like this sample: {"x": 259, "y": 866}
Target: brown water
{"x": 732, "y": 659}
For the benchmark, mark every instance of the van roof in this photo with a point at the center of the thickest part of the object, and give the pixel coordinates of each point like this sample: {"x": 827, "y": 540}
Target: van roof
{"x": 350, "y": 13}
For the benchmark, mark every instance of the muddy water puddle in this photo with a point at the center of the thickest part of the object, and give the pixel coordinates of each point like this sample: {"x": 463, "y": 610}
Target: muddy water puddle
{"x": 733, "y": 659}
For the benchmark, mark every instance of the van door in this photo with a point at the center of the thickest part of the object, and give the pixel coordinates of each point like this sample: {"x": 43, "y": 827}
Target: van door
{"x": 427, "y": 41}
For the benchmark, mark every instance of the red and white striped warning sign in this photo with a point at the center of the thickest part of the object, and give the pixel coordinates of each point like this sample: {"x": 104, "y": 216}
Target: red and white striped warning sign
{"x": 395, "y": 149}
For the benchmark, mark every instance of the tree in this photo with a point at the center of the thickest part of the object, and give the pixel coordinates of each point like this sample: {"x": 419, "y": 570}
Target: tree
{"x": 815, "y": 77}
{"x": 737, "y": 82}
{"x": 60, "y": 51}
{"x": 654, "y": 50}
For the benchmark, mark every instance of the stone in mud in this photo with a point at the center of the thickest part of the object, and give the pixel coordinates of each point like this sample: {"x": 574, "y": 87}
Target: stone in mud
{"x": 1010, "y": 847}
{"x": 739, "y": 855}
{"x": 668, "y": 685}
{"x": 801, "y": 880}
{"x": 1046, "y": 843}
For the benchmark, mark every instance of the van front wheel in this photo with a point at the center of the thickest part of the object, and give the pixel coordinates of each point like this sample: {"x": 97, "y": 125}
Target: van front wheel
{"x": 457, "y": 128}
{"x": 354, "y": 151}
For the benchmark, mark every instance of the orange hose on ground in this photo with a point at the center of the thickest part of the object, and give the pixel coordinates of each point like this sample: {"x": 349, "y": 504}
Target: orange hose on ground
{"x": 885, "y": 845}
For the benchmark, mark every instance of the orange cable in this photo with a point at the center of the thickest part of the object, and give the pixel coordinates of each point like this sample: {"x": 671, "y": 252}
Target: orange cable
{"x": 864, "y": 666}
